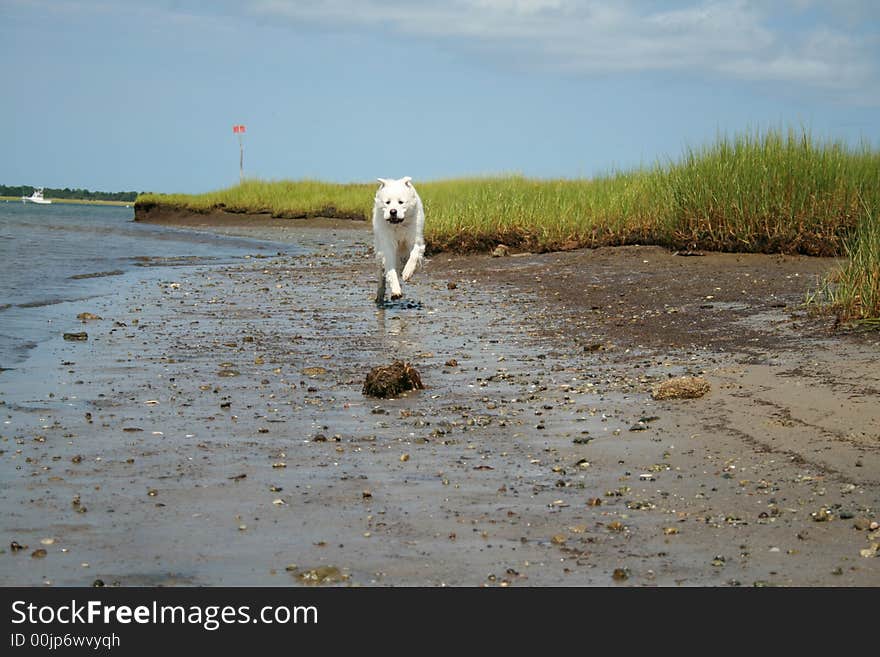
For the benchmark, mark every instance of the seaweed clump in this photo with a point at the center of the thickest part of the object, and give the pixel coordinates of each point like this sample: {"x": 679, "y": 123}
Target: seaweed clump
{"x": 391, "y": 380}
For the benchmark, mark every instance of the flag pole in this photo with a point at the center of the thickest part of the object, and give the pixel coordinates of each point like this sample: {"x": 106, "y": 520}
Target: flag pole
{"x": 239, "y": 130}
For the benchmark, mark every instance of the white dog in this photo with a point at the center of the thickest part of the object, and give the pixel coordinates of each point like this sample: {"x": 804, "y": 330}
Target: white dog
{"x": 398, "y": 227}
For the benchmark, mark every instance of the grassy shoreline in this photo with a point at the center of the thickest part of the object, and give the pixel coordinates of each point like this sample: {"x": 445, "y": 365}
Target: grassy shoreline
{"x": 771, "y": 192}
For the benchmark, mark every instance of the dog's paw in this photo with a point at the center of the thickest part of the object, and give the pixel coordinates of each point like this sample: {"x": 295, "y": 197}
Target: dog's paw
{"x": 396, "y": 295}
{"x": 408, "y": 271}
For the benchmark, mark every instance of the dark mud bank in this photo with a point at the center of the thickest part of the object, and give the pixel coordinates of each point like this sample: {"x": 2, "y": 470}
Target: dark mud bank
{"x": 221, "y": 215}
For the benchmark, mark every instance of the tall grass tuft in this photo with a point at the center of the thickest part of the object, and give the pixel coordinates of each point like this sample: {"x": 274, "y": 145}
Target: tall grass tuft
{"x": 852, "y": 291}
{"x": 771, "y": 192}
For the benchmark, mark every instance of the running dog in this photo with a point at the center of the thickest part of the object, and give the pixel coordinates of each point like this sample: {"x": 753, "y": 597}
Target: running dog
{"x": 398, "y": 234}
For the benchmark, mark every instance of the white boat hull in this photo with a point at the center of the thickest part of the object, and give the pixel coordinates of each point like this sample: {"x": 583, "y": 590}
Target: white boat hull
{"x": 36, "y": 197}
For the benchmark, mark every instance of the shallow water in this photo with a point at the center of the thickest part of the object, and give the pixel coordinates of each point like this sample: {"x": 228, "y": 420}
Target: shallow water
{"x": 51, "y": 255}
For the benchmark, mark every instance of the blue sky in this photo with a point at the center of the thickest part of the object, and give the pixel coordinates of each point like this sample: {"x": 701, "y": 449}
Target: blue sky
{"x": 138, "y": 95}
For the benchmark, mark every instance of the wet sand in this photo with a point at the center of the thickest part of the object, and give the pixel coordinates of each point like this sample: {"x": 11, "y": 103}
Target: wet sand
{"x": 212, "y": 431}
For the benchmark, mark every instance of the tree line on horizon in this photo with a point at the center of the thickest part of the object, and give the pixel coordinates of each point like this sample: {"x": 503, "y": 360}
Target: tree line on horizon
{"x": 67, "y": 192}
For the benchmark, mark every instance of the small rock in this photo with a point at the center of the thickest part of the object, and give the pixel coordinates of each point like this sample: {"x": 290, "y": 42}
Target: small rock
{"x": 76, "y": 336}
{"x": 682, "y": 387}
{"x": 322, "y": 575}
{"x": 500, "y": 251}
{"x": 862, "y": 524}
{"x": 821, "y": 515}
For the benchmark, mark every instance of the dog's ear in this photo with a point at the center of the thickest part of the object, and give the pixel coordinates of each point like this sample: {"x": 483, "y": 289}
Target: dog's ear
{"x": 383, "y": 181}
{"x": 407, "y": 181}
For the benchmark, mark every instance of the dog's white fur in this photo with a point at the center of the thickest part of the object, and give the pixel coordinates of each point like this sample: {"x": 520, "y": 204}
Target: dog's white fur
{"x": 398, "y": 233}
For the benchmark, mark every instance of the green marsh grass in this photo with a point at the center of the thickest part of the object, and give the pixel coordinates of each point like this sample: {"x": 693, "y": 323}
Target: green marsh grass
{"x": 853, "y": 290}
{"x": 776, "y": 191}
{"x": 283, "y": 198}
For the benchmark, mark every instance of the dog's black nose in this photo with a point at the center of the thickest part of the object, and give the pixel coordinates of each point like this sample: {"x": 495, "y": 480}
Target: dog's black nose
{"x": 393, "y": 212}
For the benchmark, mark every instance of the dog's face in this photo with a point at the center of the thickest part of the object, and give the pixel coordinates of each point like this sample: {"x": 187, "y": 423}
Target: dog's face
{"x": 396, "y": 198}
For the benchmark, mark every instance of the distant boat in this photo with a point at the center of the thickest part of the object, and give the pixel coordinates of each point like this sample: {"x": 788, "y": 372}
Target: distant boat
{"x": 36, "y": 197}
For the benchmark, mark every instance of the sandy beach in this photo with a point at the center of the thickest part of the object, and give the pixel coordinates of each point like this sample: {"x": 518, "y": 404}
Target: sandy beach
{"x": 212, "y": 431}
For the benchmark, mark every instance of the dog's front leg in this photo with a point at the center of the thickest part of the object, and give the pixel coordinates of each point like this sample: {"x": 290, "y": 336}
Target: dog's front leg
{"x": 388, "y": 272}
{"x": 380, "y": 293}
{"x": 393, "y": 283}
{"x": 415, "y": 258}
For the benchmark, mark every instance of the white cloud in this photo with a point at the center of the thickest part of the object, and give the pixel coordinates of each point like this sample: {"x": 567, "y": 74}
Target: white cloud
{"x": 799, "y": 42}
{"x": 739, "y": 38}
